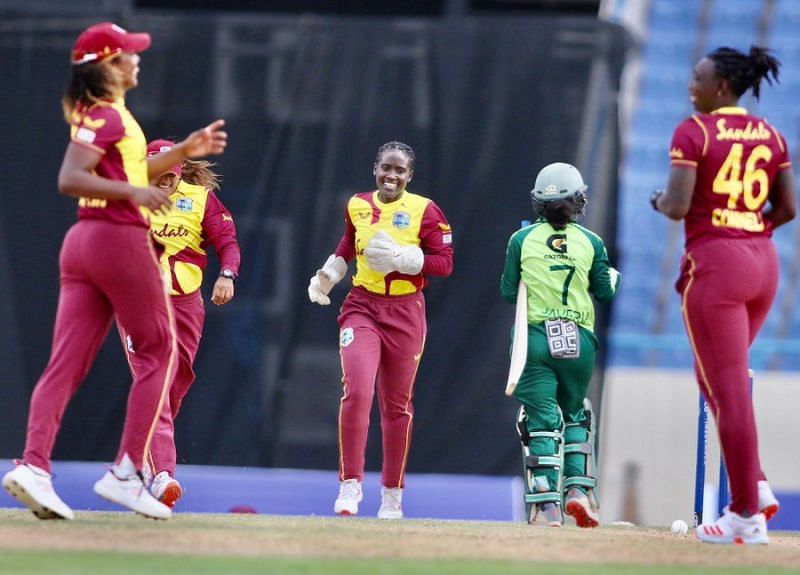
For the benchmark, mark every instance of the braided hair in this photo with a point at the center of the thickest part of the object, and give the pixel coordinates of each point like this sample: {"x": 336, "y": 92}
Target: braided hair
{"x": 743, "y": 71}
{"x": 399, "y": 146}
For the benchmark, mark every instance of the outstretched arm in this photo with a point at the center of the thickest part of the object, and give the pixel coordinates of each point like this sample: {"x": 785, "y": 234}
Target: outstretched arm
{"x": 208, "y": 141}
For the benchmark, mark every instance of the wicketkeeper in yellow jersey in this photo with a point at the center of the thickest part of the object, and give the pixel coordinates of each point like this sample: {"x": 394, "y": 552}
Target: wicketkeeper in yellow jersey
{"x": 562, "y": 265}
{"x": 397, "y": 239}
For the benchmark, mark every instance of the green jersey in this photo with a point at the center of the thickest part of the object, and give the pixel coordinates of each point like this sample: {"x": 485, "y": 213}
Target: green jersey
{"x": 560, "y": 268}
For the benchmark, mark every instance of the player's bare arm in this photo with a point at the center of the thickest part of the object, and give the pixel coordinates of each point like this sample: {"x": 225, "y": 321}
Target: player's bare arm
{"x": 76, "y": 178}
{"x": 208, "y": 141}
{"x": 782, "y": 199}
{"x": 674, "y": 202}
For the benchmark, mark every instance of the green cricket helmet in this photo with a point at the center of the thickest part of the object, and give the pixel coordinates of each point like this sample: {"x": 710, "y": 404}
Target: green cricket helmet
{"x": 559, "y": 182}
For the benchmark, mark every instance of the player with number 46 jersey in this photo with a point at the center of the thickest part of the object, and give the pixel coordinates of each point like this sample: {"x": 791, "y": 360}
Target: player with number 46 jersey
{"x": 735, "y": 156}
{"x": 732, "y": 184}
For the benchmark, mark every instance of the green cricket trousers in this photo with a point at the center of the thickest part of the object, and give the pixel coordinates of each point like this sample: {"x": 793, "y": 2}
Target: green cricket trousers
{"x": 548, "y": 384}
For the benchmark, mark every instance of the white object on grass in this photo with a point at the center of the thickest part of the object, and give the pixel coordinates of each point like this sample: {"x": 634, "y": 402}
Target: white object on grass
{"x": 679, "y": 527}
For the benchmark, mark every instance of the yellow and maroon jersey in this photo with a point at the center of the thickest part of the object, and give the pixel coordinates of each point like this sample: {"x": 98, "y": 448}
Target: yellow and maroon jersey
{"x": 197, "y": 218}
{"x": 412, "y": 220}
{"x": 736, "y": 156}
{"x": 110, "y": 129}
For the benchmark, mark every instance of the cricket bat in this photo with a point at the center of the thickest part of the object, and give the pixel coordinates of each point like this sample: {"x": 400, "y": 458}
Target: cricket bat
{"x": 519, "y": 349}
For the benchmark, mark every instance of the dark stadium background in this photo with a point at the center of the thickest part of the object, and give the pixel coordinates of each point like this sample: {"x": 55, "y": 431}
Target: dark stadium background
{"x": 486, "y": 92}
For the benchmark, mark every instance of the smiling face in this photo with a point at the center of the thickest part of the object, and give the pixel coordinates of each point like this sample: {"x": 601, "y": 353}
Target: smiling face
{"x": 167, "y": 181}
{"x": 707, "y": 90}
{"x": 392, "y": 171}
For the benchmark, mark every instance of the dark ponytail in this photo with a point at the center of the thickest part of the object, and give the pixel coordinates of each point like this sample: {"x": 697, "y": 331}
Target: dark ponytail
{"x": 745, "y": 71}
{"x": 558, "y": 213}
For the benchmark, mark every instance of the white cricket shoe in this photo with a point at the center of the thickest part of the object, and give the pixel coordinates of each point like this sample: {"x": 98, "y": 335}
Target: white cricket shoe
{"x": 767, "y": 503}
{"x": 550, "y": 513}
{"x": 33, "y": 487}
{"x": 579, "y": 506}
{"x": 350, "y": 495}
{"x": 391, "y": 503}
{"x": 166, "y": 489}
{"x": 131, "y": 492}
{"x": 733, "y": 528}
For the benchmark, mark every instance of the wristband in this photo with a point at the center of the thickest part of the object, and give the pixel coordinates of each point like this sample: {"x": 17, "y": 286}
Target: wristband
{"x": 228, "y": 274}
{"x": 654, "y": 198}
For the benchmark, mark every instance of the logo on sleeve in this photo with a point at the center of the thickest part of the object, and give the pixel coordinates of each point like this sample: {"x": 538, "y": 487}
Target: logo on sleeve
{"x": 227, "y": 218}
{"x": 557, "y": 243}
{"x": 676, "y": 153}
{"x": 401, "y": 220}
{"x": 346, "y": 337}
{"x": 85, "y": 135}
{"x": 447, "y": 235}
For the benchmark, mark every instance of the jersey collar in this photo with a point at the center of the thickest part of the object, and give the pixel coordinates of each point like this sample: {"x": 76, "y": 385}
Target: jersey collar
{"x": 730, "y": 110}
{"x": 380, "y": 204}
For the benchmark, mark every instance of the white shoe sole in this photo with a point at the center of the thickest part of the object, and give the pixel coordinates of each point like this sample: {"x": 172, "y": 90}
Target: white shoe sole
{"x": 345, "y": 511}
{"x": 737, "y": 540}
{"x": 142, "y": 509}
{"x": 18, "y": 491}
{"x": 390, "y": 514}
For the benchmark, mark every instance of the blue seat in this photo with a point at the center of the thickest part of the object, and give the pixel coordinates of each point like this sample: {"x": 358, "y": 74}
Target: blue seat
{"x": 632, "y": 312}
{"x": 733, "y": 36}
{"x": 786, "y": 12}
{"x": 735, "y": 10}
{"x": 669, "y": 10}
{"x": 645, "y": 160}
{"x": 624, "y": 356}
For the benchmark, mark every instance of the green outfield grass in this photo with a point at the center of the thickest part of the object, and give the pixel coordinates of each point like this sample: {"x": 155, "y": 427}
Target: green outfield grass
{"x": 196, "y": 544}
{"x": 110, "y": 563}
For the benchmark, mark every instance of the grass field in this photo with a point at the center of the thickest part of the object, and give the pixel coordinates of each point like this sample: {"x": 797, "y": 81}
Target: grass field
{"x": 196, "y": 544}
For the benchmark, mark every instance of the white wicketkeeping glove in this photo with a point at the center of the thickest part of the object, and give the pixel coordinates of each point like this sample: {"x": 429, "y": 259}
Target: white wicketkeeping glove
{"x": 385, "y": 255}
{"x": 328, "y": 276}
{"x": 613, "y": 276}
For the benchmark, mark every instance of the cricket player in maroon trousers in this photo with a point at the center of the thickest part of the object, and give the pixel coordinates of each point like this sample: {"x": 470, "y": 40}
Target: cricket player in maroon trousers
{"x": 731, "y": 182}
{"x": 108, "y": 267}
{"x": 397, "y": 238}
{"x": 197, "y": 218}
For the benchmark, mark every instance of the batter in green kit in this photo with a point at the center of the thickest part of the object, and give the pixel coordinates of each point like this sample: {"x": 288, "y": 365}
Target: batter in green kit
{"x": 562, "y": 265}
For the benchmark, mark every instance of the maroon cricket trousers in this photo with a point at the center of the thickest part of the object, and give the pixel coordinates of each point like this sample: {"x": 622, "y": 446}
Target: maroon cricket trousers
{"x": 381, "y": 339}
{"x": 727, "y": 288}
{"x": 107, "y": 269}
{"x": 189, "y": 318}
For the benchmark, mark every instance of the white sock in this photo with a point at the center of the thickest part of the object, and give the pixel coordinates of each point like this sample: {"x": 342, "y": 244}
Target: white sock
{"x": 125, "y": 468}
{"x": 38, "y": 470}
